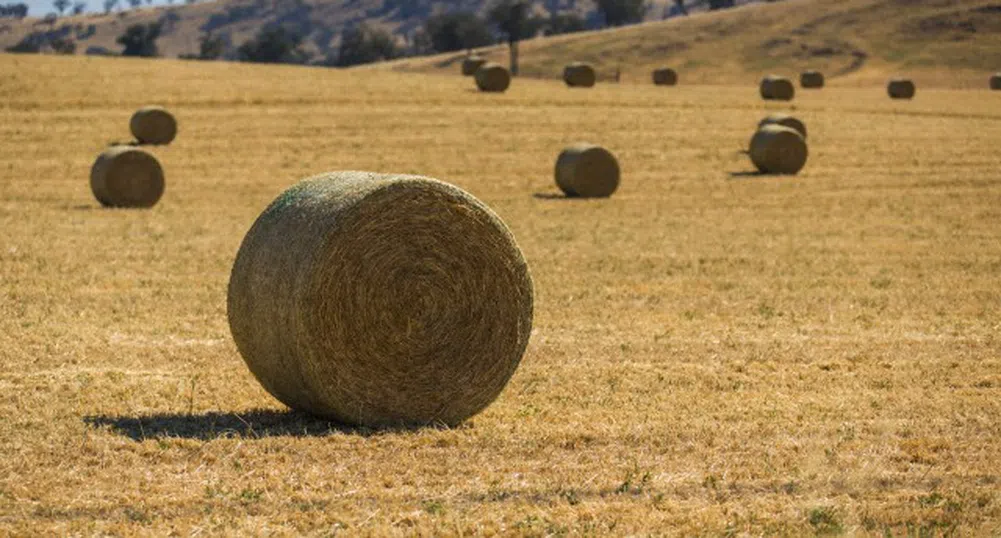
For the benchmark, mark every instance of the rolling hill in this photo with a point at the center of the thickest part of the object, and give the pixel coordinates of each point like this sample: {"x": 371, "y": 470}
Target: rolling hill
{"x": 942, "y": 43}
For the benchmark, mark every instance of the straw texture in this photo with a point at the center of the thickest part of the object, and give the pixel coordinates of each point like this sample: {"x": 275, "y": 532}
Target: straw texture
{"x": 579, "y": 75}
{"x": 491, "y": 77}
{"x": 381, "y": 300}
{"x": 588, "y": 171}
{"x": 665, "y": 76}
{"x": 778, "y": 150}
{"x": 784, "y": 120}
{"x": 153, "y": 125}
{"x": 777, "y": 88}
{"x": 901, "y": 89}
{"x": 471, "y": 64}
{"x": 811, "y": 79}
{"x": 126, "y": 176}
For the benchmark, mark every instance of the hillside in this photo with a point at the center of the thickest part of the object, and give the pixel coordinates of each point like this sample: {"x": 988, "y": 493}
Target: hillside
{"x": 320, "y": 21}
{"x": 943, "y": 43}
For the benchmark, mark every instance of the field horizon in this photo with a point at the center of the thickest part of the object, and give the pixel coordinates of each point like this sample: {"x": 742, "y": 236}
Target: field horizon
{"x": 714, "y": 352}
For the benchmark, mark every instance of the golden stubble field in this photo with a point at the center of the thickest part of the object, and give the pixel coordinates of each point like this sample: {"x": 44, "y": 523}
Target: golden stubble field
{"x": 714, "y": 353}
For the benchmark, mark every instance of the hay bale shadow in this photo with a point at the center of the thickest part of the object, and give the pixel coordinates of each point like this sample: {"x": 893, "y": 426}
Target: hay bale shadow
{"x": 554, "y": 196}
{"x": 255, "y": 424}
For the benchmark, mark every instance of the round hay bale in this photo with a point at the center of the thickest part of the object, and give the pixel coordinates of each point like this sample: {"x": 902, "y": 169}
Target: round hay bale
{"x": 901, "y": 89}
{"x": 579, "y": 75}
{"x": 784, "y": 120}
{"x": 471, "y": 64}
{"x": 778, "y": 150}
{"x": 811, "y": 79}
{"x": 665, "y": 76}
{"x": 126, "y": 176}
{"x": 777, "y": 88}
{"x": 588, "y": 171}
{"x": 491, "y": 77}
{"x": 996, "y": 81}
{"x": 381, "y": 300}
{"x": 153, "y": 125}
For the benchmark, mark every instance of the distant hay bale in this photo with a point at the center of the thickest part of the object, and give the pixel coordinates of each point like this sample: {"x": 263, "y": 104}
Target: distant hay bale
{"x": 153, "y": 125}
{"x": 784, "y": 120}
{"x": 665, "y": 76}
{"x": 491, "y": 77}
{"x": 811, "y": 79}
{"x": 776, "y": 149}
{"x": 901, "y": 89}
{"x": 588, "y": 171}
{"x": 471, "y": 64}
{"x": 579, "y": 75}
{"x": 996, "y": 81}
{"x": 126, "y": 176}
{"x": 381, "y": 300}
{"x": 777, "y": 88}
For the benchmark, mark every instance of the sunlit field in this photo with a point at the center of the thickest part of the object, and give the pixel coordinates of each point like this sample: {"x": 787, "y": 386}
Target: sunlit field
{"x": 714, "y": 352}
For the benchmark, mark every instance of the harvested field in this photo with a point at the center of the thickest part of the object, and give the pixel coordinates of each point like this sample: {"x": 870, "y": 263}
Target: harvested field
{"x": 714, "y": 352}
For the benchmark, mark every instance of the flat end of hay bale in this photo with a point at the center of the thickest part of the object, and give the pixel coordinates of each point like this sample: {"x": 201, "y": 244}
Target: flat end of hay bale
{"x": 587, "y": 171}
{"x": 491, "y": 77}
{"x": 579, "y": 75}
{"x": 381, "y": 300}
{"x": 776, "y": 149}
{"x": 126, "y": 176}
{"x": 774, "y": 87}
{"x": 784, "y": 120}
{"x": 153, "y": 125}
{"x": 811, "y": 80}
{"x": 901, "y": 88}
{"x": 665, "y": 76}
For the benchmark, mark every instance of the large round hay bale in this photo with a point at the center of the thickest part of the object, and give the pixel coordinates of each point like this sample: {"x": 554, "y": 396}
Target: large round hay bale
{"x": 126, "y": 176}
{"x": 665, "y": 76}
{"x": 153, "y": 125}
{"x": 784, "y": 120}
{"x": 996, "y": 81}
{"x": 899, "y": 88}
{"x": 579, "y": 75}
{"x": 778, "y": 88}
{"x": 778, "y": 150}
{"x": 588, "y": 171}
{"x": 471, "y": 64}
{"x": 811, "y": 79}
{"x": 491, "y": 77}
{"x": 381, "y": 300}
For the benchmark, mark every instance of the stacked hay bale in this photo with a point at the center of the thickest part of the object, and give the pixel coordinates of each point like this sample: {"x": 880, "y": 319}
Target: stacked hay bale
{"x": 665, "y": 76}
{"x": 587, "y": 171}
{"x": 811, "y": 80}
{"x": 776, "y": 149}
{"x": 153, "y": 125}
{"x": 777, "y": 88}
{"x": 579, "y": 75}
{"x": 996, "y": 81}
{"x": 126, "y": 176}
{"x": 784, "y": 120}
{"x": 491, "y": 77}
{"x": 471, "y": 63}
{"x": 381, "y": 300}
{"x": 900, "y": 88}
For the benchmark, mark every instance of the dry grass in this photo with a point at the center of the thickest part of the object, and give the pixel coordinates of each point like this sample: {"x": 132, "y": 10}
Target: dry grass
{"x": 713, "y": 353}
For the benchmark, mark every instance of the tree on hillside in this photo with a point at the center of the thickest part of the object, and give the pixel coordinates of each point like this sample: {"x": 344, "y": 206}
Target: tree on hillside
{"x": 514, "y": 19}
{"x": 61, "y": 5}
{"x": 622, "y": 12}
{"x": 457, "y": 31}
{"x": 364, "y": 44}
{"x": 140, "y": 40}
{"x": 135, "y": 3}
{"x": 720, "y": 4}
{"x": 110, "y": 5}
{"x": 681, "y": 7}
{"x": 16, "y": 11}
{"x": 79, "y": 8}
{"x": 273, "y": 44}
{"x": 563, "y": 24}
